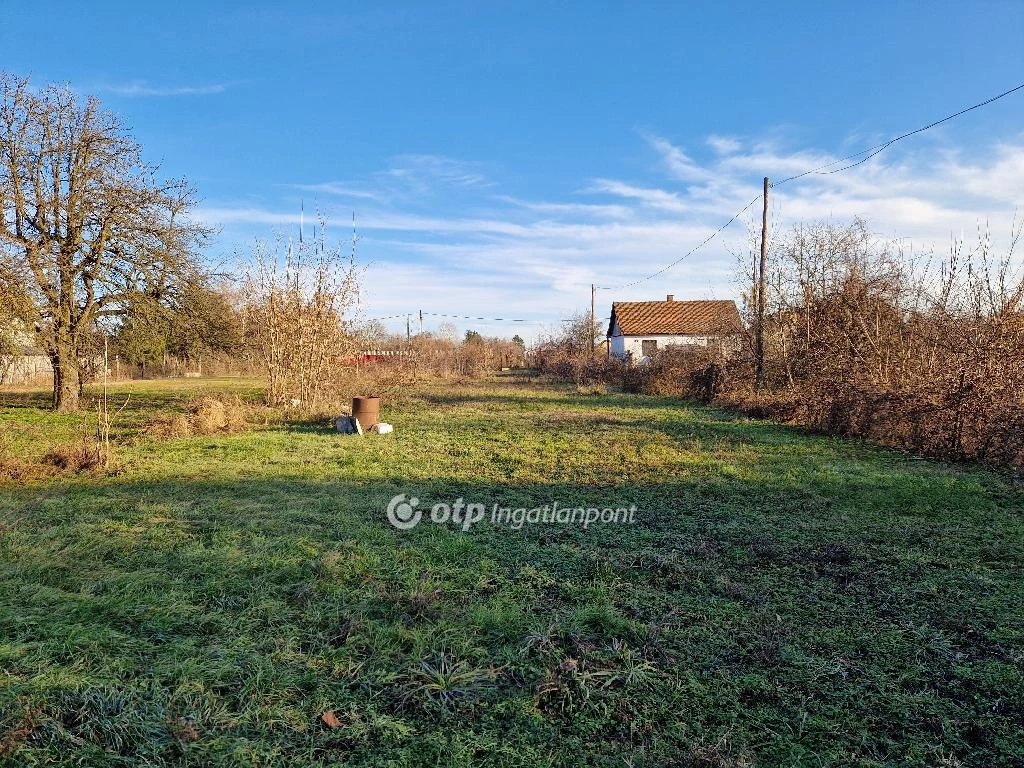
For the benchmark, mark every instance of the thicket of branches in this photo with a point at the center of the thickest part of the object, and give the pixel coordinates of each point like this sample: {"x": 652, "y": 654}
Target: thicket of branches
{"x": 861, "y": 340}
{"x": 568, "y": 352}
{"x": 296, "y": 315}
{"x": 440, "y": 353}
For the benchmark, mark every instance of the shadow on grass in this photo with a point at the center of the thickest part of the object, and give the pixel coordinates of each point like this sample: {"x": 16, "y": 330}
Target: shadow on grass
{"x": 142, "y": 394}
{"x": 676, "y": 417}
{"x": 195, "y": 618}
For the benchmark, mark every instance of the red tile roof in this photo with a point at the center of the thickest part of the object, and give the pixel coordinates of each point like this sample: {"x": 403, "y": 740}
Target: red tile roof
{"x": 699, "y": 318}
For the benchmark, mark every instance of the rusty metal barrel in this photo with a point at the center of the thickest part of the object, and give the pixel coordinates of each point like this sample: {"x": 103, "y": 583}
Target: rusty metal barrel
{"x": 366, "y": 410}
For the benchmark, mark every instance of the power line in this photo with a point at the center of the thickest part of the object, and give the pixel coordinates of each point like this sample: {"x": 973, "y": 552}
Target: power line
{"x": 867, "y": 155}
{"x": 471, "y": 317}
{"x": 872, "y": 151}
{"x": 457, "y": 317}
{"x": 690, "y": 252}
{"x": 864, "y": 155}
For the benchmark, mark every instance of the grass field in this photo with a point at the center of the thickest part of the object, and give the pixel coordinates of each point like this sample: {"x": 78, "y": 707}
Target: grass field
{"x": 241, "y": 599}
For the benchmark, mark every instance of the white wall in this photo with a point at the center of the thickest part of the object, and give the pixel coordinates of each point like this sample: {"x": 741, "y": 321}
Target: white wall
{"x": 27, "y": 369}
{"x": 623, "y": 345}
{"x": 618, "y": 348}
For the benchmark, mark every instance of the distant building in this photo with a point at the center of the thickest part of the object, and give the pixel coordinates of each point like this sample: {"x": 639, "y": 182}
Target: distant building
{"x": 638, "y": 329}
{"x": 22, "y": 362}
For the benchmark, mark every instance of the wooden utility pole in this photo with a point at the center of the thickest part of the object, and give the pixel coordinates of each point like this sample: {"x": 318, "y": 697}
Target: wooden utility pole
{"x": 760, "y": 297}
{"x": 593, "y": 321}
{"x": 408, "y": 330}
{"x": 421, "y": 322}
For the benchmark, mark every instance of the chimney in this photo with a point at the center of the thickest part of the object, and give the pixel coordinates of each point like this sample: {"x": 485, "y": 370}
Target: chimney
{"x": 670, "y": 297}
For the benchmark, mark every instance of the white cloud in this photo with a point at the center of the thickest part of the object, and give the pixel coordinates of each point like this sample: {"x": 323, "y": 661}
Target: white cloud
{"x": 406, "y": 180}
{"x": 723, "y": 145}
{"x": 676, "y": 160}
{"x": 421, "y": 172}
{"x": 139, "y": 88}
{"x": 499, "y": 255}
{"x": 655, "y": 198}
{"x": 339, "y": 189}
{"x": 562, "y": 209}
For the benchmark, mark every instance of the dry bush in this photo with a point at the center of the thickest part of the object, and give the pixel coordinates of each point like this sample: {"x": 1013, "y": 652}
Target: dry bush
{"x": 680, "y": 370}
{"x": 297, "y": 297}
{"x": 389, "y": 380}
{"x": 207, "y": 415}
{"x": 474, "y": 356}
{"x": 218, "y": 414}
{"x": 16, "y": 470}
{"x": 74, "y": 457}
{"x": 582, "y": 369}
{"x": 90, "y": 452}
{"x": 179, "y": 426}
{"x": 861, "y": 341}
{"x": 592, "y": 390}
{"x": 387, "y": 365}
{"x": 568, "y": 353}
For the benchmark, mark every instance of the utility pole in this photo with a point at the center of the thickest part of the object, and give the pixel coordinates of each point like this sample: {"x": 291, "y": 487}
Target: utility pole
{"x": 408, "y": 330}
{"x": 421, "y": 322}
{"x": 760, "y": 297}
{"x": 593, "y": 322}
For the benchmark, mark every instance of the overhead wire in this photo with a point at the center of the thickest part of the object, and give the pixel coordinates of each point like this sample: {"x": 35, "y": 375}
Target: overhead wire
{"x": 689, "y": 253}
{"x": 878, "y": 148}
{"x": 868, "y": 153}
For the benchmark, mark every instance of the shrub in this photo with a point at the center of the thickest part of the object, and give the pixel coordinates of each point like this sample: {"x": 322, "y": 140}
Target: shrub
{"x": 683, "y": 371}
{"x": 74, "y": 457}
{"x": 859, "y": 343}
{"x": 206, "y": 415}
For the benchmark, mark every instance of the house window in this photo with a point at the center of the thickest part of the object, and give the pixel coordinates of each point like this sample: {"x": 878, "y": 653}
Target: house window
{"x": 648, "y": 347}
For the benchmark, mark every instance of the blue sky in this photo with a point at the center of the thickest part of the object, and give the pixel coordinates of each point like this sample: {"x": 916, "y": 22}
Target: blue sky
{"x": 500, "y": 156}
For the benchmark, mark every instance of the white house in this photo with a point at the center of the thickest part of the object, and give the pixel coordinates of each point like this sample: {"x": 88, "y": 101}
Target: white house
{"x": 637, "y": 329}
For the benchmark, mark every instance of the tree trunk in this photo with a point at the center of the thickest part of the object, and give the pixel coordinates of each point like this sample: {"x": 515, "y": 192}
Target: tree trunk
{"x": 66, "y": 380}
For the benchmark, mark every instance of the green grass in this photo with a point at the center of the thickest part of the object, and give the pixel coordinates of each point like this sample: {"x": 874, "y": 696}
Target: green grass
{"x": 28, "y": 428}
{"x": 782, "y": 599}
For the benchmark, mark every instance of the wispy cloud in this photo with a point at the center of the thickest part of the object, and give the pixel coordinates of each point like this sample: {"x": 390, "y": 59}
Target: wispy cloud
{"x": 494, "y": 254}
{"x": 655, "y": 198}
{"x": 407, "y": 179}
{"x": 723, "y": 145}
{"x": 140, "y": 88}
{"x": 679, "y": 164}
{"x": 424, "y": 172}
{"x": 340, "y": 189}
{"x": 562, "y": 209}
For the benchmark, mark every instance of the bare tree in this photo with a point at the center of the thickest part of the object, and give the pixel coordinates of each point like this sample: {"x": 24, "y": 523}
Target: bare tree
{"x": 84, "y": 221}
{"x": 566, "y": 350}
